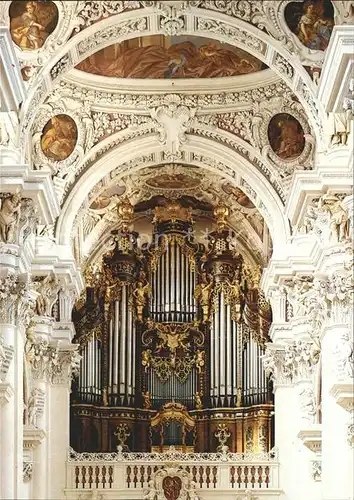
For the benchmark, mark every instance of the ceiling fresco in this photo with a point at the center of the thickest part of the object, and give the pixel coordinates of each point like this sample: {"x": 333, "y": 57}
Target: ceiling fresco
{"x": 165, "y": 57}
{"x": 286, "y": 136}
{"x": 312, "y": 22}
{"x": 31, "y": 23}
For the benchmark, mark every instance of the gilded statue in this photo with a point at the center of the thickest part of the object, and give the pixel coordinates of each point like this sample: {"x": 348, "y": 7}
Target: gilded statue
{"x": 199, "y": 360}
{"x": 172, "y": 337}
{"x": 147, "y": 400}
{"x": 140, "y": 293}
{"x": 235, "y": 297}
{"x": 198, "y": 401}
{"x": 9, "y": 218}
{"x": 203, "y": 293}
{"x": 338, "y": 216}
{"x": 146, "y": 358}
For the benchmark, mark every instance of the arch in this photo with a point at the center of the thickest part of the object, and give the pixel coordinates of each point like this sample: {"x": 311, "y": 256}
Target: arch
{"x": 146, "y": 21}
{"x": 219, "y": 159}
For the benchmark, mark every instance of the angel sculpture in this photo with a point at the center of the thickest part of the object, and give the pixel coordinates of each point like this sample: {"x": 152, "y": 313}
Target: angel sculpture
{"x": 235, "y": 298}
{"x": 338, "y": 216}
{"x": 199, "y": 360}
{"x": 141, "y": 291}
{"x": 146, "y": 358}
{"x": 203, "y": 293}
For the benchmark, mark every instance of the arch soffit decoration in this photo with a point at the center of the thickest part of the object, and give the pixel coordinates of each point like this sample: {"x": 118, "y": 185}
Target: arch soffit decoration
{"x": 238, "y": 119}
{"x": 126, "y": 158}
{"x": 150, "y": 20}
{"x": 202, "y": 184}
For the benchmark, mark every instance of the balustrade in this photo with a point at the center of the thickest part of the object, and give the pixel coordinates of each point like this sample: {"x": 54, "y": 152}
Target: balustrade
{"x": 129, "y": 472}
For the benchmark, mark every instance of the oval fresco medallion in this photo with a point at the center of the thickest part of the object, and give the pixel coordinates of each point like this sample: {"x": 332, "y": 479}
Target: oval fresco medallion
{"x": 311, "y": 21}
{"x": 286, "y": 136}
{"x": 59, "y": 137}
{"x": 32, "y": 22}
{"x": 159, "y": 56}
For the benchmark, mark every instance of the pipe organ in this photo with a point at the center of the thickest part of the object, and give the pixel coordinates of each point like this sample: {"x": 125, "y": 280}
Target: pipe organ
{"x": 171, "y": 338}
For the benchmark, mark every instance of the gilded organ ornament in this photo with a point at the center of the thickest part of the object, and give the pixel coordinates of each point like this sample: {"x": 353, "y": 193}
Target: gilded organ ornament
{"x": 173, "y": 327}
{"x": 141, "y": 294}
{"x": 202, "y": 293}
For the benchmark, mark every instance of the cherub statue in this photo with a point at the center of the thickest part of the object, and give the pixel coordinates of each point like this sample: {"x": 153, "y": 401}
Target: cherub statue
{"x": 198, "y": 401}
{"x": 141, "y": 291}
{"x": 199, "y": 360}
{"x": 338, "y": 216}
{"x": 151, "y": 492}
{"x": 203, "y": 293}
{"x": 236, "y": 298}
{"x": 147, "y": 400}
{"x": 146, "y": 358}
{"x": 9, "y": 217}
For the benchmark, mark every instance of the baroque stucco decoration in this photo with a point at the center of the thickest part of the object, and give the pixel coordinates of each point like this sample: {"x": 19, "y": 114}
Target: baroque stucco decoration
{"x": 109, "y": 30}
{"x": 205, "y": 186}
{"x": 79, "y": 111}
{"x": 99, "y": 131}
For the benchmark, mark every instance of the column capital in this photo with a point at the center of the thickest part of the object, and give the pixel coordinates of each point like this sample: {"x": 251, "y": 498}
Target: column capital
{"x": 52, "y": 361}
{"x": 291, "y": 362}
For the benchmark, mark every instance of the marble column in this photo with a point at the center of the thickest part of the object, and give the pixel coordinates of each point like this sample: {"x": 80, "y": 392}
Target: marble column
{"x": 337, "y": 453}
{"x": 8, "y": 444}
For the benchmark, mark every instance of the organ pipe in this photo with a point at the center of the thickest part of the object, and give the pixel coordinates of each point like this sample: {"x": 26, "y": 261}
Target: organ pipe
{"x": 177, "y": 322}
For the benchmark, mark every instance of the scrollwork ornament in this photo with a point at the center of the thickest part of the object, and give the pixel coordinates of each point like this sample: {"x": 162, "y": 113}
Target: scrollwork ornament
{"x": 316, "y": 470}
{"x": 172, "y": 455}
{"x": 27, "y": 471}
{"x": 113, "y": 33}
{"x": 89, "y": 12}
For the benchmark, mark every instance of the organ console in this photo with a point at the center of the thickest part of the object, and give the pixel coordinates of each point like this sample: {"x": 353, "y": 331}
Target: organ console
{"x": 171, "y": 337}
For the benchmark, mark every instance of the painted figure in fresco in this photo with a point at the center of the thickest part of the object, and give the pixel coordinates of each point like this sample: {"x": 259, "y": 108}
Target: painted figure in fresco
{"x": 181, "y": 60}
{"x": 30, "y": 28}
{"x": 312, "y": 22}
{"x": 59, "y": 137}
{"x": 286, "y": 136}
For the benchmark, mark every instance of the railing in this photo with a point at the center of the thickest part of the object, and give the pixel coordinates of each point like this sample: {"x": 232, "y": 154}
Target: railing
{"x": 131, "y": 472}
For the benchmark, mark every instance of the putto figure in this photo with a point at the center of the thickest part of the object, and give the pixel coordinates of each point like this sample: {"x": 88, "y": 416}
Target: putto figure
{"x": 9, "y": 218}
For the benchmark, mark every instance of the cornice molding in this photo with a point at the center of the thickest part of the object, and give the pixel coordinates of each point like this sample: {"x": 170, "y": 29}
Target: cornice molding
{"x": 337, "y": 69}
{"x": 12, "y": 86}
